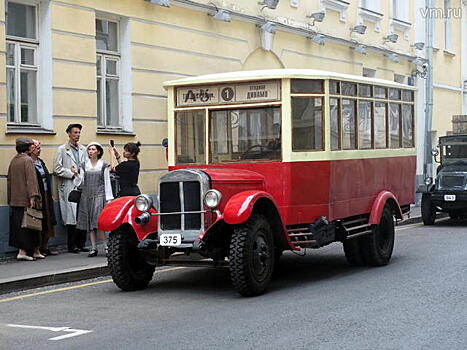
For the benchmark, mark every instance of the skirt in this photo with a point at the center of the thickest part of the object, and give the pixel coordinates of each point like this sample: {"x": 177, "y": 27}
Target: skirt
{"x": 22, "y": 238}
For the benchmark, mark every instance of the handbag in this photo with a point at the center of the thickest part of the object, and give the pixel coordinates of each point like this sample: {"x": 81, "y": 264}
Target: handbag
{"x": 74, "y": 196}
{"x": 32, "y": 219}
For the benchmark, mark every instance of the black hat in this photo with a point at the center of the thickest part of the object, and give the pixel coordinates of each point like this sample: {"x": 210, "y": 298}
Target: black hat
{"x": 71, "y": 126}
{"x": 24, "y": 141}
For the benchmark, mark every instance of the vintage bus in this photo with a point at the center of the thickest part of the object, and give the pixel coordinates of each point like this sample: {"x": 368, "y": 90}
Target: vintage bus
{"x": 266, "y": 161}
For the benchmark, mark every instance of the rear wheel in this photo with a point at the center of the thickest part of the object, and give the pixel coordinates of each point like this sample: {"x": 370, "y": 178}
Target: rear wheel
{"x": 251, "y": 257}
{"x": 128, "y": 268}
{"x": 380, "y": 243}
{"x": 353, "y": 249}
{"x": 428, "y": 210}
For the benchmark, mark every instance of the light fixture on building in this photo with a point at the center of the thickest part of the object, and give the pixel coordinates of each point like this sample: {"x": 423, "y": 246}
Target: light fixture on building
{"x": 391, "y": 37}
{"x": 393, "y": 57}
{"x": 268, "y": 30}
{"x": 360, "y": 29}
{"x": 360, "y": 49}
{"x": 270, "y": 4}
{"x": 221, "y": 15}
{"x": 418, "y": 46}
{"x": 418, "y": 61}
{"x": 164, "y": 3}
{"x": 317, "y": 17}
{"x": 317, "y": 38}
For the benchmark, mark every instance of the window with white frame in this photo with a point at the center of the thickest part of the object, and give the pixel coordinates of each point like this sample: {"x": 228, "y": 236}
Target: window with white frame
{"x": 372, "y": 5}
{"x": 400, "y": 10}
{"x": 108, "y": 73}
{"x": 447, "y": 25}
{"x": 21, "y": 62}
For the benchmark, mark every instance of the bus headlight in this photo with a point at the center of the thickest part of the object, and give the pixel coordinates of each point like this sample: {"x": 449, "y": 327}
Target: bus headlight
{"x": 428, "y": 181}
{"x": 212, "y": 199}
{"x": 143, "y": 202}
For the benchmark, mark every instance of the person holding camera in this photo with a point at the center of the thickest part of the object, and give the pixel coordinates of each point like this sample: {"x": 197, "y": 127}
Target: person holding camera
{"x": 128, "y": 170}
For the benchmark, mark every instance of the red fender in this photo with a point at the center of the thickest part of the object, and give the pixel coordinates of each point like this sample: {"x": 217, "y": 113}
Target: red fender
{"x": 122, "y": 211}
{"x": 378, "y": 206}
{"x": 238, "y": 208}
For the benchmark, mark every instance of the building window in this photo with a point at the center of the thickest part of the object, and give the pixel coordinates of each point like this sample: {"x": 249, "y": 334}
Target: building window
{"x": 400, "y": 10}
{"x": 108, "y": 73}
{"x": 447, "y": 25}
{"x": 372, "y": 5}
{"x": 21, "y": 62}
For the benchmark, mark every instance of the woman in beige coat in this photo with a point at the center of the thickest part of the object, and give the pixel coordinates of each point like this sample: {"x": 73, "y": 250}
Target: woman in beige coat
{"x": 23, "y": 192}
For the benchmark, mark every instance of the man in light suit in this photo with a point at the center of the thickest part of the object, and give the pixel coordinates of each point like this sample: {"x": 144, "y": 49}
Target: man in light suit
{"x": 69, "y": 157}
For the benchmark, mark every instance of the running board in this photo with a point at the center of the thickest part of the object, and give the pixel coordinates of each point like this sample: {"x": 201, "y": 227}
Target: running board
{"x": 194, "y": 263}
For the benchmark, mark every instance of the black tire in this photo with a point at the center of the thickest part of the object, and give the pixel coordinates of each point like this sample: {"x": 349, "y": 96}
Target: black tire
{"x": 428, "y": 210}
{"x": 353, "y": 251}
{"x": 380, "y": 243}
{"x": 128, "y": 269}
{"x": 251, "y": 257}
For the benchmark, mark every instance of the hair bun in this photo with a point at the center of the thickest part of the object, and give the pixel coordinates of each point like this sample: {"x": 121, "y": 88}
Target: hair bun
{"x": 138, "y": 144}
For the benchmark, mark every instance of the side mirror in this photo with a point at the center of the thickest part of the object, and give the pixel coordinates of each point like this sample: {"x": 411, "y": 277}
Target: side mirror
{"x": 165, "y": 142}
{"x": 435, "y": 153}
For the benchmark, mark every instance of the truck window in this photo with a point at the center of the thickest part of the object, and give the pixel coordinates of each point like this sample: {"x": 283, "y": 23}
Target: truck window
{"x": 245, "y": 134}
{"x": 190, "y": 137}
{"x": 307, "y": 123}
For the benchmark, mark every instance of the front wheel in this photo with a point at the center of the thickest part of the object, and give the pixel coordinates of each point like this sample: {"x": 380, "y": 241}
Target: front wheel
{"x": 128, "y": 268}
{"x": 251, "y": 257}
{"x": 428, "y": 210}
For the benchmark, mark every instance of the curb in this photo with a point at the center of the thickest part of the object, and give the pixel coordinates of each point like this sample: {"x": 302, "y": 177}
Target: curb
{"x": 418, "y": 219}
{"x": 52, "y": 278}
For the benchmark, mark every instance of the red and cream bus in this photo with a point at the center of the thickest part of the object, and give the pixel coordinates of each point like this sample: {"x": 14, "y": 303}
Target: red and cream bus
{"x": 266, "y": 161}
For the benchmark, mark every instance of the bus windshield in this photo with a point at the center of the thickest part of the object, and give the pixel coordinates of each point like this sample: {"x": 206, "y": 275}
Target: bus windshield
{"x": 245, "y": 134}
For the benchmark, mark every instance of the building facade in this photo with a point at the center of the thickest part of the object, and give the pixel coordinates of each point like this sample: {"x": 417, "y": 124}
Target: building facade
{"x": 102, "y": 63}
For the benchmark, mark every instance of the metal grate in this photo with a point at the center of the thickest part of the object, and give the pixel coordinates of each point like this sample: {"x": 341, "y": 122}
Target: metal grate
{"x": 452, "y": 181}
{"x": 172, "y": 194}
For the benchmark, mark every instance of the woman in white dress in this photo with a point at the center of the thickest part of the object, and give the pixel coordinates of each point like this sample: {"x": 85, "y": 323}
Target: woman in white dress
{"x": 94, "y": 183}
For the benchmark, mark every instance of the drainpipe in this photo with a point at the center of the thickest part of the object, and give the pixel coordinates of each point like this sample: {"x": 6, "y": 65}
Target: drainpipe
{"x": 429, "y": 24}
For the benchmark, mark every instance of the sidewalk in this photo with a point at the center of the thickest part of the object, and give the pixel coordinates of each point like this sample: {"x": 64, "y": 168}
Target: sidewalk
{"x": 67, "y": 267}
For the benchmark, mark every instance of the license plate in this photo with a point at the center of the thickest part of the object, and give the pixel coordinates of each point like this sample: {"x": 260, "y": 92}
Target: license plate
{"x": 449, "y": 197}
{"x": 170, "y": 239}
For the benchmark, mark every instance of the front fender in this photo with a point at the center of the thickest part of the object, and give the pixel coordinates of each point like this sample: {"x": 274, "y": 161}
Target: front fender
{"x": 378, "y": 207}
{"x": 113, "y": 214}
{"x": 122, "y": 211}
{"x": 239, "y": 207}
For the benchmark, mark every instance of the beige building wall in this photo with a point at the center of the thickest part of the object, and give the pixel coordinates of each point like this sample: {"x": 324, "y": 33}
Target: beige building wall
{"x": 175, "y": 42}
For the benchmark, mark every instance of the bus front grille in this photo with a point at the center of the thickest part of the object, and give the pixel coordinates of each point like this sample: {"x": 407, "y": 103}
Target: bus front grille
{"x": 180, "y": 197}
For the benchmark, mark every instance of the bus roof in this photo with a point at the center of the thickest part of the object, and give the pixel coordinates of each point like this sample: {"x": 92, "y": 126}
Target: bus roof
{"x": 268, "y": 74}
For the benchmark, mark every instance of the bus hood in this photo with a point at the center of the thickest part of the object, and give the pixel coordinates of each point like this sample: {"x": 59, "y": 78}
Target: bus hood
{"x": 221, "y": 177}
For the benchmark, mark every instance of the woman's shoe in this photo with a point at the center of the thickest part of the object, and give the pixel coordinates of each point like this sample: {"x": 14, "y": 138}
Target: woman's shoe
{"x": 92, "y": 253}
{"x": 24, "y": 257}
{"x": 38, "y": 256}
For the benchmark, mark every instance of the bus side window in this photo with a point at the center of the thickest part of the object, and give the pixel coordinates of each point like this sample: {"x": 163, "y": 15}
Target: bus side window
{"x": 335, "y": 124}
{"x": 307, "y": 123}
{"x": 407, "y": 126}
{"x": 380, "y": 125}
{"x": 348, "y": 124}
{"x": 394, "y": 125}
{"x": 365, "y": 125}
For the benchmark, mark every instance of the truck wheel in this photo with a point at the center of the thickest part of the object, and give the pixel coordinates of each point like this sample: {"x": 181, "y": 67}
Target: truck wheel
{"x": 353, "y": 251}
{"x": 251, "y": 257}
{"x": 428, "y": 210}
{"x": 380, "y": 243}
{"x": 128, "y": 269}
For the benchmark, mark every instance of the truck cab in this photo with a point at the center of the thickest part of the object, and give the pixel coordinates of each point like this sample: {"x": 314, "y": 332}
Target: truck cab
{"x": 447, "y": 193}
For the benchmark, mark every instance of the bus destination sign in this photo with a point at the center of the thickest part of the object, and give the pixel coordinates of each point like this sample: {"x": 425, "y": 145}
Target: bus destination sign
{"x": 223, "y": 94}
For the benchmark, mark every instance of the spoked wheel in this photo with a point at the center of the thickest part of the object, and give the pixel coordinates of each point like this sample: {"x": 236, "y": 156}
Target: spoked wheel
{"x": 251, "y": 258}
{"x": 128, "y": 268}
{"x": 380, "y": 243}
{"x": 428, "y": 210}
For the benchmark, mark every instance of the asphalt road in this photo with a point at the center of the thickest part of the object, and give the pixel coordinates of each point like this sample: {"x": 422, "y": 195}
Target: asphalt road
{"x": 418, "y": 301}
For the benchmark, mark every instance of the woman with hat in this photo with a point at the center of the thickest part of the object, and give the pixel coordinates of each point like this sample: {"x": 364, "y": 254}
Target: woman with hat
{"x": 23, "y": 192}
{"x": 94, "y": 182}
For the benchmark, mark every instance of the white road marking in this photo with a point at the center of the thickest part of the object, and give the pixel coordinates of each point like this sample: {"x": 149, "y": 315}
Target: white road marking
{"x": 72, "y": 332}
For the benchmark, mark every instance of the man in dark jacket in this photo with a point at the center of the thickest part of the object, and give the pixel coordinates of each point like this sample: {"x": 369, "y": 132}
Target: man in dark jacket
{"x": 23, "y": 192}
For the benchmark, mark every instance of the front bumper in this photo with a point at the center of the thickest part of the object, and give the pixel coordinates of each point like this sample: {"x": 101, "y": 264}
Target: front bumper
{"x": 460, "y": 203}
